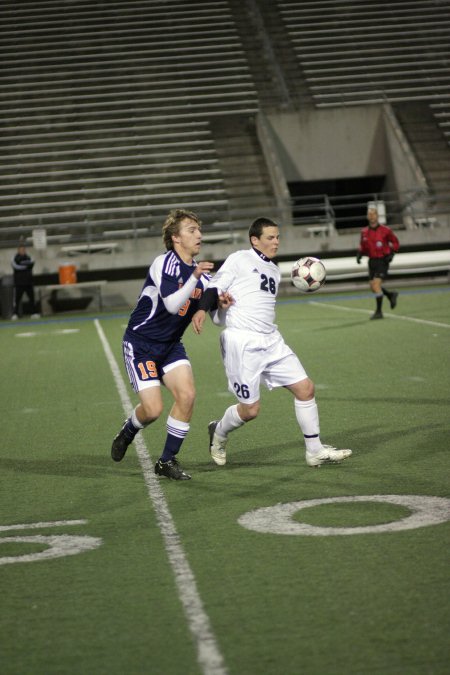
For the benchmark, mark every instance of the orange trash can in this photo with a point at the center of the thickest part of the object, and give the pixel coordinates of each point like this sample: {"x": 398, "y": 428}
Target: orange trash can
{"x": 67, "y": 274}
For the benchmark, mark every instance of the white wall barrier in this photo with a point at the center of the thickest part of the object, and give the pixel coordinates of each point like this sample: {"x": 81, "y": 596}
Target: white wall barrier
{"x": 340, "y": 269}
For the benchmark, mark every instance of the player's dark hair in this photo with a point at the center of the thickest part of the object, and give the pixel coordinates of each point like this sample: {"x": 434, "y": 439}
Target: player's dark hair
{"x": 258, "y": 225}
{"x": 172, "y": 225}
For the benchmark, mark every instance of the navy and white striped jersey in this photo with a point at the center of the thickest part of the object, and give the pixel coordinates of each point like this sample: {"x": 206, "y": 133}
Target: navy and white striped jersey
{"x": 167, "y": 301}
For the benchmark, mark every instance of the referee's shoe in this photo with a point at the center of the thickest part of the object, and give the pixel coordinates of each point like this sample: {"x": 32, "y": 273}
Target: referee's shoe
{"x": 393, "y": 299}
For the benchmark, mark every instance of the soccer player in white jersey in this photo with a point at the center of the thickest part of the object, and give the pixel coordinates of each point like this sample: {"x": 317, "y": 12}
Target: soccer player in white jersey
{"x": 253, "y": 350}
{"x": 152, "y": 347}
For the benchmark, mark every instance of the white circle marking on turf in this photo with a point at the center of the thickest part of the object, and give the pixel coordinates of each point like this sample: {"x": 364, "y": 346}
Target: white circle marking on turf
{"x": 57, "y": 546}
{"x": 278, "y": 519}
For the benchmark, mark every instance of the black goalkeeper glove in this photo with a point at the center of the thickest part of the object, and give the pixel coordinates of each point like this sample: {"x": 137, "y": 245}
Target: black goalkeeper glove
{"x": 390, "y": 257}
{"x": 358, "y": 258}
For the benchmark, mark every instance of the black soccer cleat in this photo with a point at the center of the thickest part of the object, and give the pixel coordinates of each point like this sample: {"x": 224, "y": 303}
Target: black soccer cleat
{"x": 171, "y": 469}
{"x": 119, "y": 446}
{"x": 376, "y": 315}
{"x": 393, "y": 299}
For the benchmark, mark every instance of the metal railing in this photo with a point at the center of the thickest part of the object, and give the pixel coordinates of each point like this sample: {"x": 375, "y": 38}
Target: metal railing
{"x": 410, "y": 209}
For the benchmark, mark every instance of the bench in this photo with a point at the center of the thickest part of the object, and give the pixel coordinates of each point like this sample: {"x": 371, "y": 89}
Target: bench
{"x": 430, "y": 223}
{"x": 318, "y": 230}
{"x": 48, "y": 294}
{"x": 77, "y": 249}
{"x": 220, "y": 237}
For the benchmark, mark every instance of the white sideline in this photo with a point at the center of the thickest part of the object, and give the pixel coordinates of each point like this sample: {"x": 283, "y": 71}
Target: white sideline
{"x": 400, "y": 317}
{"x": 208, "y": 654}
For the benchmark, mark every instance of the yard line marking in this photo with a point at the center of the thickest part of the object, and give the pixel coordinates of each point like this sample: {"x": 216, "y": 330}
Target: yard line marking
{"x": 387, "y": 316}
{"x": 42, "y": 525}
{"x": 62, "y": 331}
{"x": 208, "y": 654}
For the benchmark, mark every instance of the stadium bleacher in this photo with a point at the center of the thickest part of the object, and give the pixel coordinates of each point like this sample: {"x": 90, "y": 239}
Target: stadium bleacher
{"x": 110, "y": 115}
{"x": 114, "y": 112}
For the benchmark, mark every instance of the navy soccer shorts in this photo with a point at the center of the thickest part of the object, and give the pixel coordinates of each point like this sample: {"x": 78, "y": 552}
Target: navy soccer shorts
{"x": 146, "y": 363}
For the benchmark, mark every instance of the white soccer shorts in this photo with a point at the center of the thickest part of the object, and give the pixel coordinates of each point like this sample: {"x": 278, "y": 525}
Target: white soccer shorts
{"x": 254, "y": 358}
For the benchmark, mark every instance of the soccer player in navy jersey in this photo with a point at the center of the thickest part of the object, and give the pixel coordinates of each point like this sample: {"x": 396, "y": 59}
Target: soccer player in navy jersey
{"x": 253, "y": 350}
{"x": 152, "y": 347}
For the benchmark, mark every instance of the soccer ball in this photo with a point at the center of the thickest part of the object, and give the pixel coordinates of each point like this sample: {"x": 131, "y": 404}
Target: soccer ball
{"x": 308, "y": 274}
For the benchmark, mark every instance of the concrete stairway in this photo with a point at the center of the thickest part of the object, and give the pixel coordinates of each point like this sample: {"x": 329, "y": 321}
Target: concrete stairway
{"x": 430, "y": 146}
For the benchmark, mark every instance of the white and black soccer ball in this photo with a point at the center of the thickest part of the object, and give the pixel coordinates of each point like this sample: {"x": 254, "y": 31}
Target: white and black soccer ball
{"x": 308, "y": 274}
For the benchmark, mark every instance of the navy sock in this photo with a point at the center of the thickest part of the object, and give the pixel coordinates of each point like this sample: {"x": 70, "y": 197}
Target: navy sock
{"x": 176, "y": 433}
{"x": 129, "y": 429}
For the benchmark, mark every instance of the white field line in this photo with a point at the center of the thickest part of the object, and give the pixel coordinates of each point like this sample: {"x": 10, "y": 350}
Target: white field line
{"x": 400, "y": 317}
{"x": 40, "y": 526}
{"x": 208, "y": 654}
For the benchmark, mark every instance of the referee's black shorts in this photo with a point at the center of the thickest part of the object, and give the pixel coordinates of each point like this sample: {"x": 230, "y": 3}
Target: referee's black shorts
{"x": 378, "y": 267}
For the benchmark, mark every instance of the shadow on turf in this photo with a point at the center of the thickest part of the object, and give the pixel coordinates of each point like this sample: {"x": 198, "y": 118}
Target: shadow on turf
{"x": 79, "y": 466}
{"x": 257, "y": 457}
{"x": 366, "y": 440}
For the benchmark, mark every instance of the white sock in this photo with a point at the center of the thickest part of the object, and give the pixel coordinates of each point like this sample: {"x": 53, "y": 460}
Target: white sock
{"x": 134, "y": 420}
{"x": 176, "y": 427}
{"x": 229, "y": 422}
{"x": 307, "y": 415}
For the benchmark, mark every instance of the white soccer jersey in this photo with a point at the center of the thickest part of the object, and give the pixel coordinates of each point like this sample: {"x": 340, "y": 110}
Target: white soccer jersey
{"x": 252, "y": 280}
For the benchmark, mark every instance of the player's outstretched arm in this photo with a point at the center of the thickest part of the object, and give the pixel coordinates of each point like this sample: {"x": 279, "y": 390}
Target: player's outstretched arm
{"x": 203, "y": 268}
{"x": 216, "y": 304}
{"x": 207, "y": 302}
{"x": 198, "y": 320}
{"x": 225, "y": 300}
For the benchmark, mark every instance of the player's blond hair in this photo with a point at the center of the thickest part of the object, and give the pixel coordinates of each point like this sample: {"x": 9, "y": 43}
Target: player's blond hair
{"x": 171, "y": 225}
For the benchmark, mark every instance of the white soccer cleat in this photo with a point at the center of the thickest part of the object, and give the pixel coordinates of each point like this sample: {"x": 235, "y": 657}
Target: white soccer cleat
{"x": 328, "y": 455}
{"x": 217, "y": 445}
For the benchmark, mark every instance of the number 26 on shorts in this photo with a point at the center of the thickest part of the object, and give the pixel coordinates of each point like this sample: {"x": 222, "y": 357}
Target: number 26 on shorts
{"x": 241, "y": 390}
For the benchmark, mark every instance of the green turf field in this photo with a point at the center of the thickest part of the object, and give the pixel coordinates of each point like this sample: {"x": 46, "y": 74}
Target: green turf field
{"x": 106, "y": 569}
